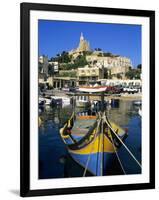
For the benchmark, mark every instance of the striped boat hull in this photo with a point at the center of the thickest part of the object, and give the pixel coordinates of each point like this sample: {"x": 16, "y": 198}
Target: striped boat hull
{"x": 96, "y": 149}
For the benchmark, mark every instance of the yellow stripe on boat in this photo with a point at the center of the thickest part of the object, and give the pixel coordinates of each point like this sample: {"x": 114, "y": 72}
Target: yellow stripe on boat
{"x": 39, "y": 121}
{"x": 97, "y": 146}
{"x": 100, "y": 143}
{"x": 62, "y": 131}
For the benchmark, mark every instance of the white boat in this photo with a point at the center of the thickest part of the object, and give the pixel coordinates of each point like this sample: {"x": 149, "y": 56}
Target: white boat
{"x": 41, "y": 100}
{"x": 65, "y": 100}
{"x": 48, "y": 101}
{"x": 140, "y": 112}
{"x": 137, "y": 103}
{"x": 92, "y": 88}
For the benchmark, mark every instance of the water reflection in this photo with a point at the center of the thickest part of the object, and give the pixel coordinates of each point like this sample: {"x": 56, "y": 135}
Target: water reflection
{"x": 54, "y": 160}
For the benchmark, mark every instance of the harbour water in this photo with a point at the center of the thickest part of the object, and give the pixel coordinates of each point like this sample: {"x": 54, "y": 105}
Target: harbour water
{"x": 54, "y": 160}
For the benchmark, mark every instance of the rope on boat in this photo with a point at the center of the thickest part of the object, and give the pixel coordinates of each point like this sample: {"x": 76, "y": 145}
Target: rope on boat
{"x": 131, "y": 154}
{"x": 100, "y": 117}
{"x": 89, "y": 156}
{"x": 98, "y": 152}
{"x": 118, "y": 156}
{"x": 102, "y": 148}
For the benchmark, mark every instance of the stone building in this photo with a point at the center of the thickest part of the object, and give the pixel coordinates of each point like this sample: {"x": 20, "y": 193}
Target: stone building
{"x": 116, "y": 64}
{"x": 89, "y": 74}
{"x": 63, "y": 82}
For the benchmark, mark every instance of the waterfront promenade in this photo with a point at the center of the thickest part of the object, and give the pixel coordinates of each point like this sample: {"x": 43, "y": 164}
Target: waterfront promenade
{"x": 121, "y": 96}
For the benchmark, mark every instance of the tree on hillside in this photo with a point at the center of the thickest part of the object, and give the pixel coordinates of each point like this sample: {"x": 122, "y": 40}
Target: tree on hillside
{"x": 108, "y": 54}
{"x": 64, "y": 57}
{"x": 119, "y": 76}
{"x": 50, "y": 70}
{"x": 133, "y": 74}
{"x": 80, "y": 61}
{"x": 98, "y": 49}
{"x": 40, "y": 66}
{"x": 139, "y": 66}
{"x": 106, "y": 73}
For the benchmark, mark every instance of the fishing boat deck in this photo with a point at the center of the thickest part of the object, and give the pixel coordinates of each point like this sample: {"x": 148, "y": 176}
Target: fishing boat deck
{"x": 83, "y": 124}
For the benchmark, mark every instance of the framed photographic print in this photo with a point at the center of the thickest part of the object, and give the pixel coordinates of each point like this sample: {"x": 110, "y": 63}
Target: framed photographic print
{"x": 87, "y": 99}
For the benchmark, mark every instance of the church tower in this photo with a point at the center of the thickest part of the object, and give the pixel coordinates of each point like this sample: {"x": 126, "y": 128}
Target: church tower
{"x": 81, "y": 37}
{"x": 83, "y": 44}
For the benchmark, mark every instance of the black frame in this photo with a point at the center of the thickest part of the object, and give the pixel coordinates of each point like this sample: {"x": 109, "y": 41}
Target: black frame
{"x": 25, "y": 95}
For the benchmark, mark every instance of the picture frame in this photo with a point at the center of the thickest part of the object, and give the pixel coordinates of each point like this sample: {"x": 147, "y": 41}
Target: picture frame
{"x": 28, "y": 78}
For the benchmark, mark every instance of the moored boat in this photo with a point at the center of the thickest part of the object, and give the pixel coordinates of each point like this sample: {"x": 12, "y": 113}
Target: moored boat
{"x": 140, "y": 112}
{"x": 41, "y": 104}
{"x": 137, "y": 103}
{"x": 46, "y": 100}
{"x": 64, "y": 100}
{"x": 91, "y": 89}
{"x": 39, "y": 121}
{"x": 92, "y": 141}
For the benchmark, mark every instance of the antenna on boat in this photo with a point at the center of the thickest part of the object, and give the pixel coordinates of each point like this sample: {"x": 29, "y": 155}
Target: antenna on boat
{"x": 73, "y": 102}
{"x": 102, "y": 101}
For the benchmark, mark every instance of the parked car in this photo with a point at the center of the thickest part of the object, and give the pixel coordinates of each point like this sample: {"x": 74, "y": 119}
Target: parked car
{"x": 66, "y": 89}
{"x": 130, "y": 90}
{"x": 72, "y": 89}
{"x": 113, "y": 90}
{"x": 119, "y": 89}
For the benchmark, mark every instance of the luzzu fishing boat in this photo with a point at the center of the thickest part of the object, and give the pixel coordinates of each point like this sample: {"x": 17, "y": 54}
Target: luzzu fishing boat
{"x": 92, "y": 141}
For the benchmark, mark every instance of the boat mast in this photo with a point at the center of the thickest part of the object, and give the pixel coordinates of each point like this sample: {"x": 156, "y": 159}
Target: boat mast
{"x": 102, "y": 102}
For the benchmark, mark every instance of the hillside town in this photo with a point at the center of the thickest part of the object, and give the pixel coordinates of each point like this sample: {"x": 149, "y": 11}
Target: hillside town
{"x": 85, "y": 66}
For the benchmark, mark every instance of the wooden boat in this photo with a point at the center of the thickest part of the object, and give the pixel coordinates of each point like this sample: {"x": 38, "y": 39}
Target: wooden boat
{"x": 140, "y": 112}
{"x": 92, "y": 141}
{"x": 65, "y": 100}
{"x": 56, "y": 101}
{"x": 39, "y": 121}
{"x": 137, "y": 103}
{"x": 46, "y": 99}
{"x": 91, "y": 89}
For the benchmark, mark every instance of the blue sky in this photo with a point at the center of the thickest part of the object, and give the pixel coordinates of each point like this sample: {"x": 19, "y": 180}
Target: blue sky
{"x": 121, "y": 39}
